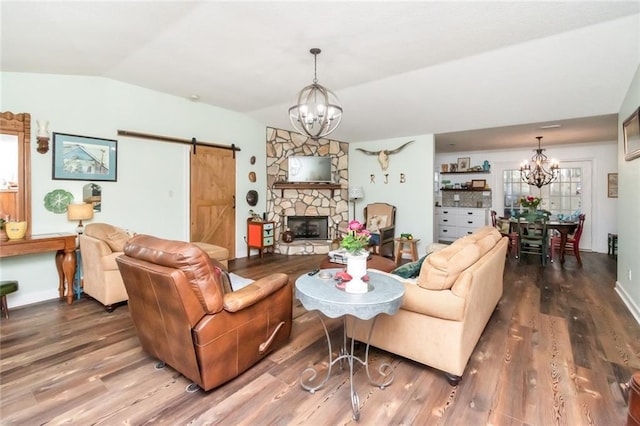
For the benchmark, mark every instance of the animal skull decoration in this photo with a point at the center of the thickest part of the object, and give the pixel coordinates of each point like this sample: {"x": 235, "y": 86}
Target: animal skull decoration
{"x": 383, "y": 154}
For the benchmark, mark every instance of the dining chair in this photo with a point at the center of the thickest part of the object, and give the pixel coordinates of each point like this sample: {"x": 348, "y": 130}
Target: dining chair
{"x": 573, "y": 242}
{"x": 505, "y": 230}
{"x": 534, "y": 237}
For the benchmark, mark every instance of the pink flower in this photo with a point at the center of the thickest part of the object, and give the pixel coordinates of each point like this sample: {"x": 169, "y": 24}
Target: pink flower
{"x": 355, "y": 225}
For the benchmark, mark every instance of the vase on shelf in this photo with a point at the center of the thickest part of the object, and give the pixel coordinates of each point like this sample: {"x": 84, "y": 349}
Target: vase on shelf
{"x": 357, "y": 268}
{"x": 15, "y": 230}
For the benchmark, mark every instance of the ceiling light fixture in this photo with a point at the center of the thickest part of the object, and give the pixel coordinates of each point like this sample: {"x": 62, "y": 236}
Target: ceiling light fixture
{"x": 317, "y": 111}
{"x": 536, "y": 172}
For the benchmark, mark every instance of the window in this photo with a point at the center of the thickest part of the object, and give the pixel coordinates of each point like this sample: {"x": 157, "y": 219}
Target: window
{"x": 564, "y": 196}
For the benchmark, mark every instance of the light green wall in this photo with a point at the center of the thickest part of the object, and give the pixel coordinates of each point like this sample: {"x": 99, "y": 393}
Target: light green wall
{"x": 629, "y": 210}
{"x": 151, "y": 194}
{"x": 414, "y": 198}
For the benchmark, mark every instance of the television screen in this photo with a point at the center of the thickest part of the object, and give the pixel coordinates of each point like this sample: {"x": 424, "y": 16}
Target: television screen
{"x": 309, "y": 169}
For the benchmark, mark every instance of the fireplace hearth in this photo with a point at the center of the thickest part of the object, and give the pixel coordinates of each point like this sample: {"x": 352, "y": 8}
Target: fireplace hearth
{"x": 309, "y": 227}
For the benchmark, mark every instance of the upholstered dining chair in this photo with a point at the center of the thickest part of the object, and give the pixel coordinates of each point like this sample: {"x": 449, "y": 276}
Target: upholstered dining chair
{"x": 504, "y": 226}
{"x": 573, "y": 242}
{"x": 534, "y": 237}
{"x": 380, "y": 220}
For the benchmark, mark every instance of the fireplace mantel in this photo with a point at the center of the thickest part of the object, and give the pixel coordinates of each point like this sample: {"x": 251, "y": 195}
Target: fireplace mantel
{"x": 306, "y": 185}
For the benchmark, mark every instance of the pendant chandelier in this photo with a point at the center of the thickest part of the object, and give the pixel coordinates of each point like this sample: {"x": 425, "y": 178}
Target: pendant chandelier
{"x": 540, "y": 171}
{"x": 317, "y": 111}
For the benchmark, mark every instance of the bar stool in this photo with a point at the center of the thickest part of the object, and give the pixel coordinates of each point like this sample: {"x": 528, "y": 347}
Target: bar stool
{"x": 6, "y": 287}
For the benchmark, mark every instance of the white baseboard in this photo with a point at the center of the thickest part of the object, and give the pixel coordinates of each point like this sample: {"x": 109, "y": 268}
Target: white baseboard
{"x": 628, "y": 301}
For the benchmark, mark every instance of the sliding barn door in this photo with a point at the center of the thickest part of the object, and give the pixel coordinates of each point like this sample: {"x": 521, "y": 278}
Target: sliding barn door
{"x": 213, "y": 183}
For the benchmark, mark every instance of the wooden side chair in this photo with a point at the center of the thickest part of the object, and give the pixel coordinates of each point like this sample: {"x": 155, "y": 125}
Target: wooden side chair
{"x": 380, "y": 220}
{"x": 505, "y": 230}
{"x": 573, "y": 242}
{"x": 534, "y": 238}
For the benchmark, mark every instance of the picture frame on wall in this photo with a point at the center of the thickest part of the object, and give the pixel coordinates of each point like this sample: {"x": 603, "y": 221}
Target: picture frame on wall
{"x": 631, "y": 135}
{"x": 464, "y": 164}
{"x": 612, "y": 185}
{"x": 78, "y": 157}
{"x": 478, "y": 183}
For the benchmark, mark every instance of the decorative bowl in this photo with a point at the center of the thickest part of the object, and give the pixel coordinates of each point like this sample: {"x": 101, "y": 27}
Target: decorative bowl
{"x": 15, "y": 230}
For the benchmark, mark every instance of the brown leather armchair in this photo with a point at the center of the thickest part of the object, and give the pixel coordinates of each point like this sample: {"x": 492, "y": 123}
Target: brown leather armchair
{"x": 184, "y": 318}
{"x": 380, "y": 219}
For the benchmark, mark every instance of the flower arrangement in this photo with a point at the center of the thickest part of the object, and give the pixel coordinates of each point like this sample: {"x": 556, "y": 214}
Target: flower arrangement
{"x": 530, "y": 201}
{"x": 357, "y": 238}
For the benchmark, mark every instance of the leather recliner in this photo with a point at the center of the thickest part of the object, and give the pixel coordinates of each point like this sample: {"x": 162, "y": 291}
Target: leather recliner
{"x": 184, "y": 318}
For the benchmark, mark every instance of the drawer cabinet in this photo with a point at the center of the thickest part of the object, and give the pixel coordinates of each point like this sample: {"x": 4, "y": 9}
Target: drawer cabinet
{"x": 260, "y": 235}
{"x": 456, "y": 222}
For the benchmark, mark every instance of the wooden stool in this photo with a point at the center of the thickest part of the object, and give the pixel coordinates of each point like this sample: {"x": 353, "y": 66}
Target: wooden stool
{"x": 6, "y": 287}
{"x": 412, "y": 250}
{"x": 612, "y": 244}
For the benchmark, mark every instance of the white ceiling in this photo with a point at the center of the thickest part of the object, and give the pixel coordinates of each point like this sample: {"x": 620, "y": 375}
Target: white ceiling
{"x": 399, "y": 68}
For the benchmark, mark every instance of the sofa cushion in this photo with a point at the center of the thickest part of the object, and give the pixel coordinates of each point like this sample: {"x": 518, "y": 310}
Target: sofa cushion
{"x": 441, "y": 269}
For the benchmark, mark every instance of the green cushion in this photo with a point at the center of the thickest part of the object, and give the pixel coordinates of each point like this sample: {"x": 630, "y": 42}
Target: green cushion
{"x": 411, "y": 269}
{"x": 7, "y": 287}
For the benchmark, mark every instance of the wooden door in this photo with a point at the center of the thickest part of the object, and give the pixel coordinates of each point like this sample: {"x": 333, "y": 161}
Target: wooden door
{"x": 213, "y": 184}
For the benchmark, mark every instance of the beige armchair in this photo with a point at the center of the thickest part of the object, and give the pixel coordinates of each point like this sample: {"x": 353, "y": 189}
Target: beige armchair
{"x": 380, "y": 220}
{"x": 100, "y": 245}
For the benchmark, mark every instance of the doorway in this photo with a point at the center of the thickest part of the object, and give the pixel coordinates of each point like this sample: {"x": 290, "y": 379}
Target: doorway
{"x": 212, "y": 207}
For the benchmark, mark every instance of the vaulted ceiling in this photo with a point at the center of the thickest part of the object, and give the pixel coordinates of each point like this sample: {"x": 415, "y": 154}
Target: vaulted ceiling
{"x": 399, "y": 68}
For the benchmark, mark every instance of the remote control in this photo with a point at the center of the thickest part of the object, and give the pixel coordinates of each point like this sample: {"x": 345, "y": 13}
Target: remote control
{"x": 315, "y": 271}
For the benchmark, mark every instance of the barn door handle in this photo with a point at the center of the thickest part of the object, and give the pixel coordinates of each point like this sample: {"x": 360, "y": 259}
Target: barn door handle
{"x": 234, "y": 201}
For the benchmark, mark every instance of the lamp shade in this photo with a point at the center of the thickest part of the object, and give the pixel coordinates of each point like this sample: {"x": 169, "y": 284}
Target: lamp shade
{"x": 80, "y": 211}
{"x": 356, "y": 192}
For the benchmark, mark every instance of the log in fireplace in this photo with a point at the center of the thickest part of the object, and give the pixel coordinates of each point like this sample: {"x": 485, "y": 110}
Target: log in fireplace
{"x": 309, "y": 227}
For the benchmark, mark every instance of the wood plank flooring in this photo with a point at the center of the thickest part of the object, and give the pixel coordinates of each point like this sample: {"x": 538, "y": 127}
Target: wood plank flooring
{"x": 557, "y": 351}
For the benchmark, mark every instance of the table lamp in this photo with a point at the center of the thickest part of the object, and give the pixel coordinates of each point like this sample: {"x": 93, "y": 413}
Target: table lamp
{"x": 80, "y": 212}
{"x": 355, "y": 193}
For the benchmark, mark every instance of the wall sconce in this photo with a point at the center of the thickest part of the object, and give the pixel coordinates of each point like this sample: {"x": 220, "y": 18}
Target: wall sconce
{"x": 43, "y": 136}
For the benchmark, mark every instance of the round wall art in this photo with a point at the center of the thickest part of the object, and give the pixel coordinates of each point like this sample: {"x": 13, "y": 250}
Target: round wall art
{"x": 252, "y": 160}
{"x": 252, "y": 197}
{"x": 252, "y": 176}
{"x": 57, "y": 200}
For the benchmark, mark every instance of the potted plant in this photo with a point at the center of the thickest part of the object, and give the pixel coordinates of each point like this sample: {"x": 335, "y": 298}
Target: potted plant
{"x": 355, "y": 242}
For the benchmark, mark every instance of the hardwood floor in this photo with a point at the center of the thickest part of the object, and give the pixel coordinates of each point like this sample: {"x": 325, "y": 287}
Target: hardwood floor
{"x": 558, "y": 350}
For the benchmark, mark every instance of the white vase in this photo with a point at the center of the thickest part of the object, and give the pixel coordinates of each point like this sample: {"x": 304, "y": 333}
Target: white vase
{"x": 357, "y": 268}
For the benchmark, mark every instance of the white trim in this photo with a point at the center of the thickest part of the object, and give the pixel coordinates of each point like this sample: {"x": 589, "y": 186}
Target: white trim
{"x": 628, "y": 301}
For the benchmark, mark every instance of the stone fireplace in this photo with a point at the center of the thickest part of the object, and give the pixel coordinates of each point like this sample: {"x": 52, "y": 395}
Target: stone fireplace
{"x": 330, "y": 206}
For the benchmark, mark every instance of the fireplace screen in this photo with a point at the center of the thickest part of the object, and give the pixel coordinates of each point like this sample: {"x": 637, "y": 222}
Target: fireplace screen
{"x": 309, "y": 227}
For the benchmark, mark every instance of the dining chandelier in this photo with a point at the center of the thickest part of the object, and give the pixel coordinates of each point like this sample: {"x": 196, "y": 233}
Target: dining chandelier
{"x": 536, "y": 172}
{"x": 317, "y": 111}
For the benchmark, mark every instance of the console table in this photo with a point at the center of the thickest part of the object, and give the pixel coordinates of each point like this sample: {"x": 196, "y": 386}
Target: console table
{"x": 65, "y": 247}
{"x": 384, "y": 296}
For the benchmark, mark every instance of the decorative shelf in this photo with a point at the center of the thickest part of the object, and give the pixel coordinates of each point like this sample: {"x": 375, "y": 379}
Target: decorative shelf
{"x": 306, "y": 185}
{"x": 466, "y": 173}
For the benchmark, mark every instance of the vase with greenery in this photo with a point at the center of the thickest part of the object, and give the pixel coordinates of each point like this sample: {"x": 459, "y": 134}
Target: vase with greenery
{"x": 530, "y": 205}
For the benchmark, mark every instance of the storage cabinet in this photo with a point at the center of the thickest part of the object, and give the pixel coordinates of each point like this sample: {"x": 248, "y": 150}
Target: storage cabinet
{"x": 260, "y": 235}
{"x": 454, "y": 222}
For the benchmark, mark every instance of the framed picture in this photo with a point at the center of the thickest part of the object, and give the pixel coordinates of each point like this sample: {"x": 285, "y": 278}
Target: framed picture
{"x": 463, "y": 164}
{"x": 631, "y": 134}
{"x": 612, "y": 185}
{"x": 478, "y": 183}
{"x": 84, "y": 158}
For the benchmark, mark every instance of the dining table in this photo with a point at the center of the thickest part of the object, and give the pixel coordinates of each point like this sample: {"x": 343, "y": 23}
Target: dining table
{"x": 564, "y": 228}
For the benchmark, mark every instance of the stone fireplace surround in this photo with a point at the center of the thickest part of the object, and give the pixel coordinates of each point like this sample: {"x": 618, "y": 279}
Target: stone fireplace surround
{"x": 307, "y": 200}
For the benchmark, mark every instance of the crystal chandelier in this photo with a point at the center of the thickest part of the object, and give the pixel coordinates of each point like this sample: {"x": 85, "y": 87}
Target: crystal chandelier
{"x": 536, "y": 172}
{"x": 317, "y": 111}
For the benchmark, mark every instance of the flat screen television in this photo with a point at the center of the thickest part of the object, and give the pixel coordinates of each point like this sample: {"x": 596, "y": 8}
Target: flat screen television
{"x": 309, "y": 169}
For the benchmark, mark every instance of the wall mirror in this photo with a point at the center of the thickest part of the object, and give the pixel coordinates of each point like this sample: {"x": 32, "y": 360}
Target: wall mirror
{"x": 15, "y": 167}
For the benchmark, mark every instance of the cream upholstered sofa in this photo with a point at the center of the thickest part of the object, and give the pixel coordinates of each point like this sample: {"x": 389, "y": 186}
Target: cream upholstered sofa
{"x": 100, "y": 244}
{"x": 444, "y": 310}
